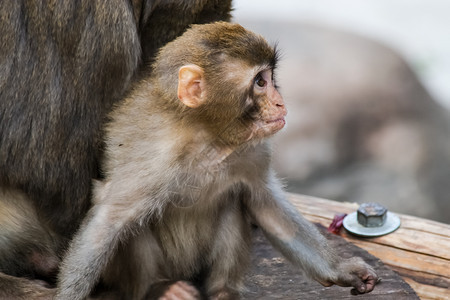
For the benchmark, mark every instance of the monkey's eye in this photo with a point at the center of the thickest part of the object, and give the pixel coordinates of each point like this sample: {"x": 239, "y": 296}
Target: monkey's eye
{"x": 259, "y": 80}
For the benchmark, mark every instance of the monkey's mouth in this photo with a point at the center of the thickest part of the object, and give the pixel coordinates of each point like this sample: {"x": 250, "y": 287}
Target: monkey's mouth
{"x": 280, "y": 121}
{"x": 275, "y": 125}
{"x": 264, "y": 129}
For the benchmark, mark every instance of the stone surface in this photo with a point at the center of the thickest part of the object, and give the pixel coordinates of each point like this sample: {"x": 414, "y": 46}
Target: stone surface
{"x": 273, "y": 277}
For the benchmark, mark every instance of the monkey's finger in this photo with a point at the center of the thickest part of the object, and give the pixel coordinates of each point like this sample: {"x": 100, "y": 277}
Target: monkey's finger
{"x": 359, "y": 288}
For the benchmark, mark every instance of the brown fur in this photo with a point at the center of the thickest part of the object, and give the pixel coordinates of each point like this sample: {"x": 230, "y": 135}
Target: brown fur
{"x": 187, "y": 173}
{"x": 63, "y": 66}
{"x": 26, "y": 247}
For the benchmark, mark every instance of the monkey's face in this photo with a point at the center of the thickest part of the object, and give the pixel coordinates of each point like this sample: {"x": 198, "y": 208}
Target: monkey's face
{"x": 265, "y": 106}
{"x": 260, "y": 111}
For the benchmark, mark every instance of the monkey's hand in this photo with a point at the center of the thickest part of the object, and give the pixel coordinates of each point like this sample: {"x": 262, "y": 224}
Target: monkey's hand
{"x": 356, "y": 273}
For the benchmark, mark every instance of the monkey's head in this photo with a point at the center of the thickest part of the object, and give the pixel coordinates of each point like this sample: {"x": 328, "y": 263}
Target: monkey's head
{"x": 222, "y": 76}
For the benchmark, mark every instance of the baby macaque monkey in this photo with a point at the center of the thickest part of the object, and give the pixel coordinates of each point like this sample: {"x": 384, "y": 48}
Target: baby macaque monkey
{"x": 187, "y": 170}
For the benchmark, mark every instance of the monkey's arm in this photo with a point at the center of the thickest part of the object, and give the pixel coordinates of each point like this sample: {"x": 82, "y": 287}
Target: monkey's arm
{"x": 88, "y": 254}
{"x": 303, "y": 244}
{"x": 108, "y": 222}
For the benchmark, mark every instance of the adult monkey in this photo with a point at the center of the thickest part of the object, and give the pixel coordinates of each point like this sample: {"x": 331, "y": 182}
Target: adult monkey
{"x": 63, "y": 65}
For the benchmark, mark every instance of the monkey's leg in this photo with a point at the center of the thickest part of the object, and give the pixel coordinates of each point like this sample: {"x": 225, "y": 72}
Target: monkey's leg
{"x": 135, "y": 271}
{"x": 27, "y": 247}
{"x": 230, "y": 255}
{"x": 303, "y": 244}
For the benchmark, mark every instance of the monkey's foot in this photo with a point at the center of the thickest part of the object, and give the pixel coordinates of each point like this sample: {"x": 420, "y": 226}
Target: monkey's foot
{"x": 181, "y": 290}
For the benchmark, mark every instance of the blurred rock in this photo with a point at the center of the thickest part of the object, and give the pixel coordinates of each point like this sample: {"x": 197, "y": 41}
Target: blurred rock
{"x": 361, "y": 127}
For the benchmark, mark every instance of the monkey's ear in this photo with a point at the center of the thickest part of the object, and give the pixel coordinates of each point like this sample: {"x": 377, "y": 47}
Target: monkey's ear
{"x": 191, "y": 86}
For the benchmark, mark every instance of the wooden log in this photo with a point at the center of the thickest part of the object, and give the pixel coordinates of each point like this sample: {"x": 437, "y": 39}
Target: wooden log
{"x": 419, "y": 250}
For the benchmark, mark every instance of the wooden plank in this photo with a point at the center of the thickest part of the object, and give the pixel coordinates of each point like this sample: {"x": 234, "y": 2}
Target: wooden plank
{"x": 437, "y": 286}
{"x": 418, "y": 241}
{"x": 407, "y": 259}
{"x": 428, "y": 292}
{"x": 415, "y": 234}
{"x": 425, "y": 225}
{"x": 419, "y": 250}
